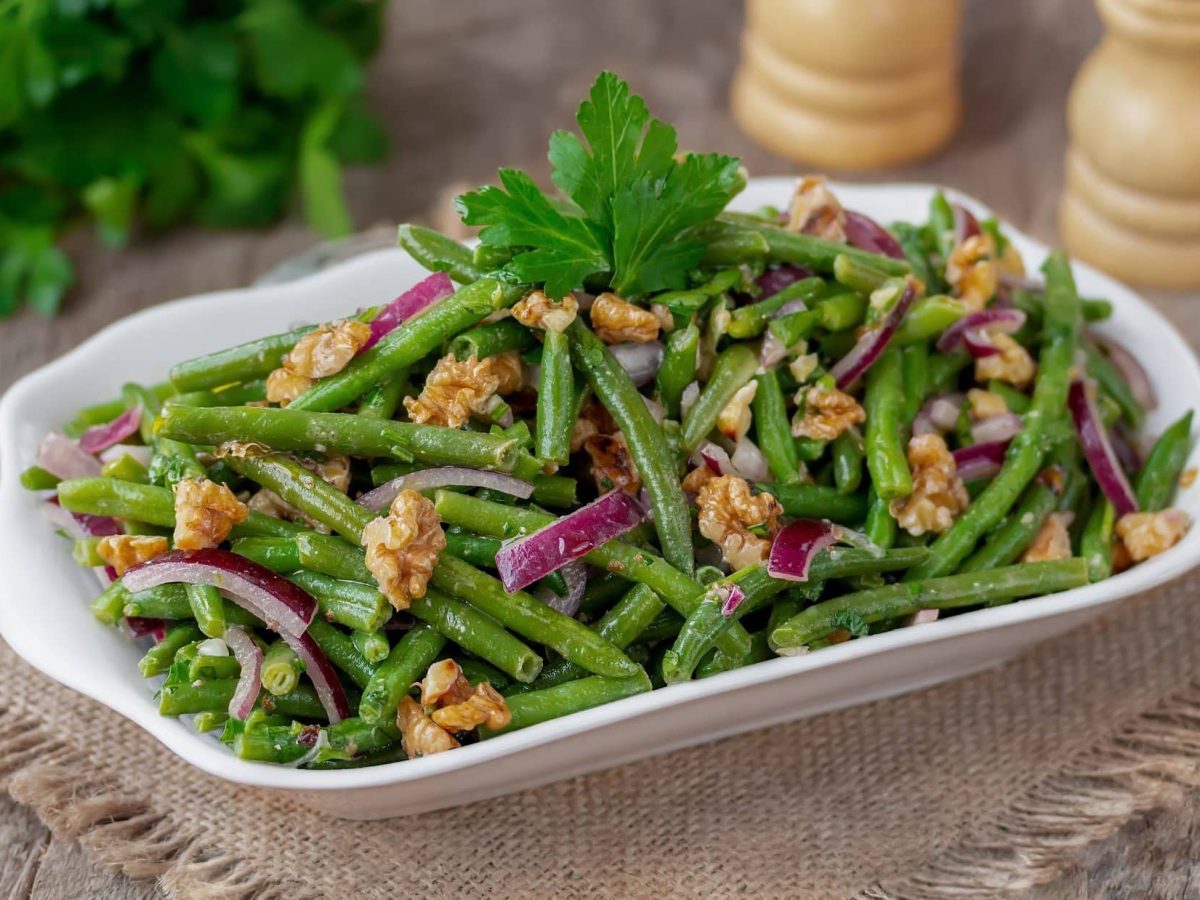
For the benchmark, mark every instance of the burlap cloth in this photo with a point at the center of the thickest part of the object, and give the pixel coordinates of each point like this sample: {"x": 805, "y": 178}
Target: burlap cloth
{"x": 976, "y": 787}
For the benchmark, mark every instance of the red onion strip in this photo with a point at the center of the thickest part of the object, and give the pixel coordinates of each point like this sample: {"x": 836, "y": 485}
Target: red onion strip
{"x": 733, "y": 599}
{"x": 996, "y": 429}
{"x": 965, "y": 223}
{"x": 79, "y": 524}
{"x": 250, "y": 680}
{"x": 418, "y": 298}
{"x": 445, "y": 476}
{"x": 865, "y": 233}
{"x": 795, "y": 545}
{"x": 864, "y": 353}
{"x": 140, "y": 626}
{"x": 61, "y": 456}
{"x": 640, "y": 361}
{"x": 980, "y": 460}
{"x": 525, "y": 560}
{"x": 322, "y": 675}
{"x": 772, "y": 281}
{"x": 101, "y": 437}
{"x": 1098, "y": 450}
{"x": 1131, "y": 370}
{"x": 972, "y": 329}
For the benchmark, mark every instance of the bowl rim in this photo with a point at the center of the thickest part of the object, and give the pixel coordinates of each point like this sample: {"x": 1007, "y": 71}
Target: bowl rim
{"x": 212, "y": 757}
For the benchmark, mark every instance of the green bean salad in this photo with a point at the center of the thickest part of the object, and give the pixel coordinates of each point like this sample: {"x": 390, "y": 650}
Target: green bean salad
{"x": 630, "y": 439}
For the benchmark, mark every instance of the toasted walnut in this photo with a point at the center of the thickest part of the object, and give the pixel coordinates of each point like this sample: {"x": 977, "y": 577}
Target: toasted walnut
{"x": 334, "y": 469}
{"x": 1010, "y": 261}
{"x": 694, "y": 480}
{"x": 1188, "y": 478}
{"x": 815, "y": 210}
{"x": 971, "y": 271}
{"x": 1147, "y": 534}
{"x": 617, "y": 321}
{"x": 327, "y": 350}
{"x": 803, "y": 366}
{"x": 284, "y": 386}
{"x": 1012, "y": 364}
{"x": 612, "y": 464}
{"x": 240, "y": 450}
{"x": 536, "y": 310}
{"x": 985, "y": 404}
{"x": 1052, "y": 541}
{"x": 205, "y": 513}
{"x": 124, "y": 551}
{"x": 734, "y": 420}
{"x": 444, "y": 684}
{"x": 509, "y": 369}
{"x": 728, "y": 512}
{"x": 454, "y": 391}
{"x": 581, "y": 431}
{"x": 484, "y": 706}
{"x": 665, "y": 319}
{"x": 421, "y": 736}
{"x": 827, "y": 413}
{"x": 938, "y": 494}
{"x": 403, "y": 547}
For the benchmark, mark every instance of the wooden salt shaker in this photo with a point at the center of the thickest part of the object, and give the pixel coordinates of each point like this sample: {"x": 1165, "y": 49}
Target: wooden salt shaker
{"x": 1132, "y": 199}
{"x": 849, "y": 84}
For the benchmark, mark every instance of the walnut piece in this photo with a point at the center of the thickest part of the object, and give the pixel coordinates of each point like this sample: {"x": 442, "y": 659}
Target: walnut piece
{"x": 971, "y": 271}
{"x": 815, "y": 210}
{"x": 509, "y": 369}
{"x": 536, "y": 310}
{"x": 985, "y": 404}
{"x": 124, "y": 551}
{"x": 1012, "y": 364}
{"x": 205, "y": 513}
{"x": 403, "y": 547}
{"x": 327, "y": 350}
{"x": 420, "y": 735}
{"x": 444, "y": 680}
{"x": 454, "y": 391}
{"x": 826, "y": 414}
{"x": 734, "y": 420}
{"x": 612, "y": 464}
{"x": 581, "y": 431}
{"x": 484, "y": 706}
{"x": 617, "y": 321}
{"x": 1052, "y": 541}
{"x": 728, "y": 512}
{"x": 694, "y": 480}
{"x": 284, "y": 386}
{"x": 938, "y": 494}
{"x": 1188, "y": 478}
{"x": 1147, "y": 534}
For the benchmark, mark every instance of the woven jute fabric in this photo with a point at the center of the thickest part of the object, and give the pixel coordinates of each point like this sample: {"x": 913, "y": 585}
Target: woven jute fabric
{"x": 972, "y": 788}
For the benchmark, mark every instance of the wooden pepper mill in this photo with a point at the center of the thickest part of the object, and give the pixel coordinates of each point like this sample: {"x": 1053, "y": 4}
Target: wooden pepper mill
{"x": 849, "y": 84}
{"x": 1132, "y": 199}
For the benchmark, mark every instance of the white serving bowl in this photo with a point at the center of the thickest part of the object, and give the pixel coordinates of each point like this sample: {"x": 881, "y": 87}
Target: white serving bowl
{"x": 42, "y": 585}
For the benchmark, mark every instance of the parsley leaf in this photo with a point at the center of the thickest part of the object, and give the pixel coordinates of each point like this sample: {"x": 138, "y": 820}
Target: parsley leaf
{"x": 849, "y": 621}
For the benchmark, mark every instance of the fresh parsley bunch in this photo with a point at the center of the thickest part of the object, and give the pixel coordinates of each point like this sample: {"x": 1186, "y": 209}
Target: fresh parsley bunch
{"x": 632, "y": 200}
{"x": 162, "y": 111}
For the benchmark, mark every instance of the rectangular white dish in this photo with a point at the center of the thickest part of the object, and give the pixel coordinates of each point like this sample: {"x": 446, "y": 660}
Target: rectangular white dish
{"x": 43, "y": 585}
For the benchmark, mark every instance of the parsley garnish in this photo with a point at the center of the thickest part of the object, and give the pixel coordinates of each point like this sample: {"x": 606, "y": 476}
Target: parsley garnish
{"x": 850, "y": 621}
{"x": 631, "y": 202}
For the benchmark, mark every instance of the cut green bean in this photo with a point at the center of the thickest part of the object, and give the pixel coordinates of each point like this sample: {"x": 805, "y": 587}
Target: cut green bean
{"x": 555, "y": 400}
{"x": 208, "y": 609}
{"x": 439, "y": 253}
{"x": 253, "y": 359}
{"x": 159, "y": 657}
{"x": 813, "y": 501}
{"x": 678, "y": 368}
{"x": 492, "y": 339}
{"x": 535, "y": 707}
{"x": 477, "y": 633}
{"x": 884, "y": 439}
{"x": 734, "y": 369}
{"x": 351, "y": 603}
{"x": 1157, "y": 481}
{"x": 281, "y": 669}
{"x": 373, "y": 645}
{"x": 773, "y": 430}
{"x": 407, "y": 663}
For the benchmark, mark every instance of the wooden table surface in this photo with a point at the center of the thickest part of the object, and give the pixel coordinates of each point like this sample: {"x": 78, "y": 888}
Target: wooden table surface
{"x": 470, "y": 85}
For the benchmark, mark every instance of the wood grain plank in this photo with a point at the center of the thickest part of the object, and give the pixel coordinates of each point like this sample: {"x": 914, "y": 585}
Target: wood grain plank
{"x": 23, "y": 841}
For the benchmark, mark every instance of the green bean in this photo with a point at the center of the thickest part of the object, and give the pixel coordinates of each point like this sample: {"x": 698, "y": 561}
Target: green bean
{"x": 253, "y": 359}
{"x": 1158, "y": 480}
{"x": 733, "y": 370}
{"x": 733, "y": 245}
{"x": 341, "y": 651}
{"x": 686, "y": 304}
{"x": 569, "y": 697}
{"x": 292, "y": 429}
{"x": 884, "y": 440}
{"x": 332, "y": 556}
{"x": 253, "y": 391}
{"x": 208, "y": 609}
{"x": 350, "y": 603}
{"x": 1028, "y": 448}
{"x": 941, "y": 224}
{"x": 159, "y": 657}
{"x": 410, "y": 341}
{"x": 35, "y": 478}
{"x": 944, "y": 369}
{"x": 857, "y": 275}
{"x": 492, "y": 339}
{"x": 202, "y": 666}
{"x": 1114, "y": 384}
{"x": 478, "y": 633}
{"x": 439, "y": 253}
{"x": 209, "y": 720}
{"x": 347, "y": 740}
{"x": 555, "y": 400}
{"x": 382, "y": 401}
{"x": 281, "y": 669}
{"x": 109, "y": 606}
{"x": 126, "y": 468}
{"x": 948, "y": 592}
{"x": 412, "y": 655}
{"x": 847, "y": 452}
{"x": 186, "y": 698}
{"x": 812, "y": 501}
{"x": 791, "y": 328}
{"x": 478, "y": 551}
{"x": 678, "y": 368}
{"x": 914, "y": 364}
{"x": 373, "y": 645}
{"x": 751, "y": 320}
{"x": 910, "y": 240}
{"x": 1017, "y": 532}
{"x": 629, "y": 562}
{"x": 645, "y": 440}
{"x": 880, "y": 527}
{"x": 531, "y": 618}
{"x": 813, "y": 252}
{"x": 773, "y": 429}
{"x": 85, "y": 552}
{"x": 841, "y": 312}
{"x": 170, "y": 601}
{"x": 928, "y": 318}
{"x": 275, "y": 553}
{"x": 1096, "y": 541}
{"x": 309, "y": 493}
{"x": 1015, "y": 400}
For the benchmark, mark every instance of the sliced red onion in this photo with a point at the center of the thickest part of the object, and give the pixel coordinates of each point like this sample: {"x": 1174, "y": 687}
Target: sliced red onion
{"x": 773, "y": 281}
{"x": 140, "y": 626}
{"x": 321, "y": 673}
{"x": 713, "y": 456}
{"x": 79, "y": 525}
{"x": 640, "y": 361}
{"x": 250, "y": 658}
{"x": 939, "y": 414}
{"x": 285, "y": 607}
{"x": 1098, "y": 450}
{"x": 688, "y": 398}
{"x": 61, "y": 456}
{"x": 997, "y": 429}
{"x": 99, "y": 437}
{"x": 566, "y": 539}
{"x": 865, "y": 233}
{"x": 1127, "y": 452}
{"x": 445, "y": 476}
{"x": 733, "y": 597}
{"x": 857, "y": 539}
{"x": 971, "y": 330}
{"x": 980, "y": 460}
{"x": 965, "y": 223}
{"x": 920, "y": 617}
{"x": 418, "y": 298}
{"x": 748, "y": 461}
{"x": 864, "y": 353}
{"x": 575, "y": 575}
{"x": 795, "y": 545}
{"x": 1131, "y": 370}
{"x": 772, "y": 352}
{"x": 656, "y": 409}
{"x": 139, "y": 452}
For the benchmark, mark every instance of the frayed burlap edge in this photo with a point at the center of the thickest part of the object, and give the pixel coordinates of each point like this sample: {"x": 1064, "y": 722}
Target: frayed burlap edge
{"x": 1147, "y": 763}
{"x": 120, "y": 830}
